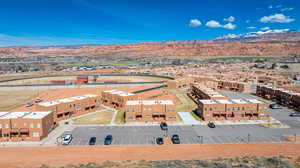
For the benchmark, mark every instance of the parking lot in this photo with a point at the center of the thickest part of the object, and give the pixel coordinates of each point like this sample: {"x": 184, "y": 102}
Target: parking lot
{"x": 197, "y": 134}
{"x": 145, "y": 135}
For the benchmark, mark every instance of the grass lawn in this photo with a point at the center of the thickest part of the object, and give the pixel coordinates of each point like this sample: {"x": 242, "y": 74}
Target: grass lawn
{"x": 187, "y": 104}
{"x": 103, "y": 117}
{"x": 15, "y": 98}
{"x": 120, "y": 118}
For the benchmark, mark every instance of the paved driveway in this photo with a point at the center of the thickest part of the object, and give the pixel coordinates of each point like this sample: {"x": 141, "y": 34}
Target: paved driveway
{"x": 187, "y": 118}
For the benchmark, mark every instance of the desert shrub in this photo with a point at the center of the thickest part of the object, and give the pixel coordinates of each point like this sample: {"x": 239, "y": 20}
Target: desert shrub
{"x": 237, "y": 162}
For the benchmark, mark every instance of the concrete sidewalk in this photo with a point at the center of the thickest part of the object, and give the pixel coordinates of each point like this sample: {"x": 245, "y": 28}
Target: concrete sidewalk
{"x": 188, "y": 119}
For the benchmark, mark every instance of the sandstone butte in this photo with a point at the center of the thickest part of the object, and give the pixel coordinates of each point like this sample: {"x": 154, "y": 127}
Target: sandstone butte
{"x": 142, "y": 50}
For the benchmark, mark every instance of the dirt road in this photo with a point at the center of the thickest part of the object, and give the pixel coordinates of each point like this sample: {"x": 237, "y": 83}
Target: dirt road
{"x": 56, "y": 156}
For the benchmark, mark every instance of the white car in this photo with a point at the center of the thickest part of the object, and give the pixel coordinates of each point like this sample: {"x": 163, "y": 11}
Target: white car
{"x": 67, "y": 139}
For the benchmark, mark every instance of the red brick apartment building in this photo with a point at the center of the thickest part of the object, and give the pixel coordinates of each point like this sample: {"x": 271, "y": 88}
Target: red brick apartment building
{"x": 181, "y": 82}
{"x": 116, "y": 99}
{"x": 283, "y": 96}
{"x": 232, "y": 109}
{"x": 234, "y": 86}
{"x": 70, "y": 107}
{"x": 199, "y": 91}
{"x": 25, "y": 126}
{"x": 275, "y": 80}
{"x": 150, "y": 111}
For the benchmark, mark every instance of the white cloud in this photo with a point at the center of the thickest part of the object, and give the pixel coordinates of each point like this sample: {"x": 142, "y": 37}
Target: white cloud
{"x": 270, "y": 7}
{"x": 195, "y": 23}
{"x": 278, "y": 6}
{"x": 229, "y": 26}
{"x": 248, "y": 21}
{"x": 265, "y": 28}
{"x": 229, "y": 19}
{"x": 216, "y": 24}
{"x": 213, "y": 24}
{"x": 287, "y": 9}
{"x": 276, "y": 18}
{"x": 251, "y": 27}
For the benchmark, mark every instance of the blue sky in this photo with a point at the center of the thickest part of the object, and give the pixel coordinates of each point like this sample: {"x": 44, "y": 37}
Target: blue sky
{"x": 70, "y": 22}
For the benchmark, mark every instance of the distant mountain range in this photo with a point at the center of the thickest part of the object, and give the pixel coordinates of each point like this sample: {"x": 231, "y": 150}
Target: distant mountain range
{"x": 266, "y": 36}
{"x": 268, "y": 43}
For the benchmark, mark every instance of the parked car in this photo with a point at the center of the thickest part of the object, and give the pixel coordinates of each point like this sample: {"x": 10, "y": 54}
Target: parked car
{"x": 38, "y": 100}
{"x": 163, "y": 126}
{"x": 275, "y": 106}
{"x": 211, "y": 125}
{"x": 159, "y": 141}
{"x": 108, "y": 140}
{"x": 92, "y": 141}
{"x": 295, "y": 114}
{"x": 175, "y": 139}
{"x": 67, "y": 139}
{"x": 29, "y": 105}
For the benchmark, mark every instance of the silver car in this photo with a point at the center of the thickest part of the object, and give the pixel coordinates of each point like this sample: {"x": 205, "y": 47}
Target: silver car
{"x": 67, "y": 139}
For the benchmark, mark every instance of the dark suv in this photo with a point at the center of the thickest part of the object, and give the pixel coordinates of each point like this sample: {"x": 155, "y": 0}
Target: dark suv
{"x": 108, "y": 140}
{"x": 92, "y": 141}
{"x": 211, "y": 125}
{"x": 175, "y": 139}
{"x": 295, "y": 114}
{"x": 163, "y": 126}
{"x": 275, "y": 106}
{"x": 159, "y": 141}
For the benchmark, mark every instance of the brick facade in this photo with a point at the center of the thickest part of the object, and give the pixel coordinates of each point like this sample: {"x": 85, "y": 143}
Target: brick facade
{"x": 150, "y": 111}
{"x": 232, "y": 109}
{"x": 25, "y": 126}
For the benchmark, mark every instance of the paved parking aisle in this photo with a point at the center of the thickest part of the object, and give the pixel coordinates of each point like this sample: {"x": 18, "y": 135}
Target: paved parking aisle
{"x": 145, "y": 135}
{"x": 187, "y": 118}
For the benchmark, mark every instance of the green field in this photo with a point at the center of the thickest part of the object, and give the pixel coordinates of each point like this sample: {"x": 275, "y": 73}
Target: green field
{"x": 242, "y": 58}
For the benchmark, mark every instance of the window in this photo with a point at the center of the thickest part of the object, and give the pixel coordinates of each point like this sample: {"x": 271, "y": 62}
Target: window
{"x": 6, "y": 125}
{"x": 38, "y": 125}
{"x": 0, "y": 125}
{"x": 36, "y": 134}
{"x": 25, "y": 124}
{"x": 147, "y": 116}
{"x": 31, "y": 125}
{"x": 171, "y": 116}
{"x": 129, "y": 117}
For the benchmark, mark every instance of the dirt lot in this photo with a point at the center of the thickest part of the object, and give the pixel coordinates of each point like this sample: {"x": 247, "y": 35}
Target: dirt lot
{"x": 57, "y": 156}
{"x": 103, "y": 117}
{"x": 12, "y": 99}
{"x": 46, "y": 80}
{"x": 65, "y": 93}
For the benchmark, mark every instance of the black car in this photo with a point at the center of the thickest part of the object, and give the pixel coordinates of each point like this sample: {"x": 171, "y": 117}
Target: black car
{"x": 295, "y": 114}
{"x": 108, "y": 140}
{"x": 211, "y": 125}
{"x": 275, "y": 106}
{"x": 175, "y": 139}
{"x": 92, "y": 141}
{"x": 163, "y": 126}
{"x": 159, "y": 141}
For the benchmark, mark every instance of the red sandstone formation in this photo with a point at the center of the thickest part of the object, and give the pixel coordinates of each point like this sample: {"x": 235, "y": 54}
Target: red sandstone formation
{"x": 280, "y": 44}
